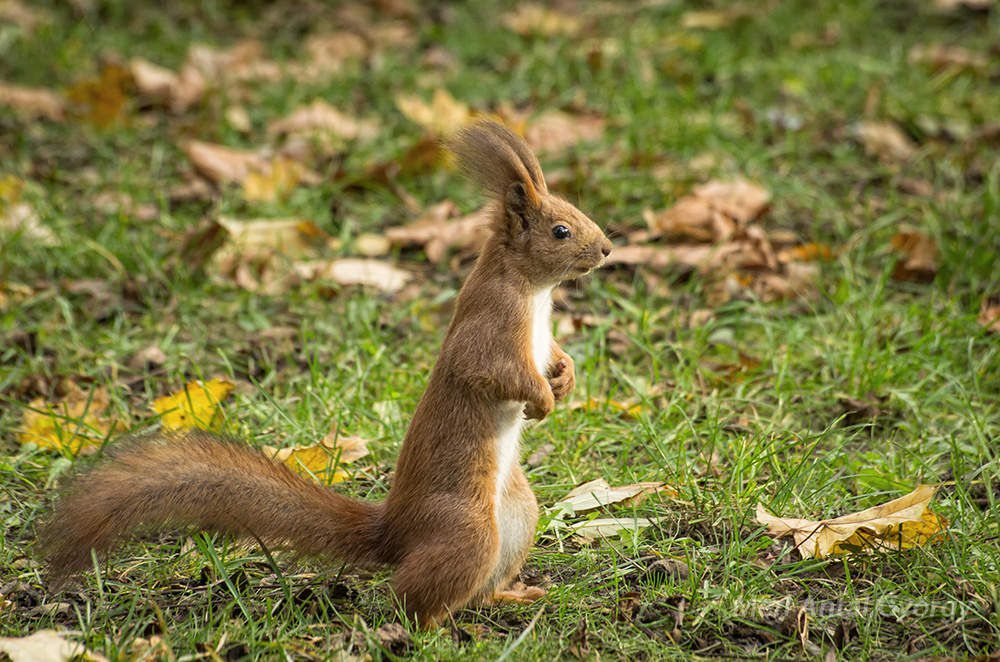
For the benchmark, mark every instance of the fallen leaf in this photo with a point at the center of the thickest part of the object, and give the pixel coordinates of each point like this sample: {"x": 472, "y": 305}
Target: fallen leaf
{"x": 23, "y": 16}
{"x": 350, "y": 271}
{"x": 438, "y": 231}
{"x": 629, "y": 412}
{"x": 223, "y": 164}
{"x": 264, "y": 237}
{"x": 919, "y": 261}
{"x": 954, "y": 5}
{"x": 885, "y": 141}
{"x": 76, "y": 423}
{"x": 176, "y": 91}
{"x": 274, "y": 183}
{"x": 33, "y": 101}
{"x": 899, "y": 524}
{"x": 369, "y": 244}
{"x": 324, "y": 460}
{"x": 238, "y": 118}
{"x": 394, "y": 638}
{"x": 442, "y": 115}
{"x": 197, "y": 406}
{"x": 555, "y": 131}
{"x": 712, "y": 212}
{"x": 530, "y": 19}
{"x": 599, "y": 494}
{"x": 989, "y": 314}
{"x": 806, "y": 253}
{"x": 102, "y": 100}
{"x": 938, "y": 57}
{"x": 46, "y": 646}
{"x": 21, "y": 219}
{"x": 243, "y": 61}
{"x": 319, "y": 116}
{"x": 610, "y": 526}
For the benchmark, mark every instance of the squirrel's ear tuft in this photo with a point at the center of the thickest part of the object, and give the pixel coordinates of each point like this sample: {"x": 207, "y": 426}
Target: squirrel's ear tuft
{"x": 494, "y": 157}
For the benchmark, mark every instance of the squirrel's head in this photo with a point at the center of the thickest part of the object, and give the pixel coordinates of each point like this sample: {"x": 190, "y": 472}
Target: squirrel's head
{"x": 548, "y": 239}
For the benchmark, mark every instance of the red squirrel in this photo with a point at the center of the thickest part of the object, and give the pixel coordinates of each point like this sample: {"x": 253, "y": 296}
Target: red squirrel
{"x": 460, "y": 517}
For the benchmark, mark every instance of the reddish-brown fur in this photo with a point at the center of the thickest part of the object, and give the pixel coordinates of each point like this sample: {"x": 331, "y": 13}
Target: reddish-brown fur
{"x": 456, "y": 524}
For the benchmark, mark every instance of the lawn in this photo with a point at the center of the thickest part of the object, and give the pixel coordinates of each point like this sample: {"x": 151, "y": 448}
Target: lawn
{"x": 820, "y": 337}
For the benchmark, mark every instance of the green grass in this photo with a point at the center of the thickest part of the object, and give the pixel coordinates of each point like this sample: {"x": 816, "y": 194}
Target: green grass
{"x": 360, "y": 360}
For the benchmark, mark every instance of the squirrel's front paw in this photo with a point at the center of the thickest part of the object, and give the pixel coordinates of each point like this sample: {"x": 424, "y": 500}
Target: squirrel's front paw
{"x": 541, "y": 406}
{"x": 563, "y": 377}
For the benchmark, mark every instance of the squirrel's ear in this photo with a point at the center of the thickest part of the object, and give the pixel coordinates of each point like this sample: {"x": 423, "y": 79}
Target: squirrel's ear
{"x": 521, "y": 207}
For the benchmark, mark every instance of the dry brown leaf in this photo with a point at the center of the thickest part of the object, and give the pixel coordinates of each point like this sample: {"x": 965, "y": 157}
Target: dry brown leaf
{"x": 607, "y": 527}
{"x": 530, "y": 19}
{"x": 712, "y": 212}
{"x": 554, "y": 131}
{"x": 319, "y": 116}
{"x": 938, "y": 57}
{"x": 899, "y": 524}
{"x": 23, "y": 16}
{"x": 599, "y": 494}
{"x": 438, "y": 232}
{"x": 177, "y": 91}
{"x": 22, "y": 219}
{"x": 46, "y": 646}
{"x": 713, "y": 19}
{"x": 919, "y": 262}
{"x": 33, "y": 101}
{"x": 223, "y": 164}
{"x": 351, "y": 271}
{"x": 323, "y": 460}
{"x": 954, "y": 5}
{"x": 243, "y": 61}
{"x": 989, "y": 314}
{"x": 885, "y": 141}
{"x": 76, "y": 423}
{"x": 810, "y": 252}
{"x": 442, "y": 115}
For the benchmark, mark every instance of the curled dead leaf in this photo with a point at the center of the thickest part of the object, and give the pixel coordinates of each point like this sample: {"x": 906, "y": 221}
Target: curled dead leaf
{"x": 320, "y": 116}
{"x": 350, "y": 271}
{"x": 323, "y": 460}
{"x": 177, "y": 91}
{"x": 597, "y": 493}
{"x": 555, "y": 131}
{"x": 885, "y": 141}
{"x": 899, "y": 524}
{"x": 438, "y": 231}
{"x": 33, "y": 101}
{"x": 919, "y": 261}
{"x": 442, "y": 115}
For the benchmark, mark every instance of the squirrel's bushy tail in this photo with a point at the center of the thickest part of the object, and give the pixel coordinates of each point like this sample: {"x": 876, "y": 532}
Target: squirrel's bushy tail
{"x": 211, "y": 484}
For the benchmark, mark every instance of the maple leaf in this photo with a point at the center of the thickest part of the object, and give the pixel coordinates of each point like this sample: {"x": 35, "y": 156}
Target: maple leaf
{"x": 197, "y": 406}
{"x": 898, "y": 524}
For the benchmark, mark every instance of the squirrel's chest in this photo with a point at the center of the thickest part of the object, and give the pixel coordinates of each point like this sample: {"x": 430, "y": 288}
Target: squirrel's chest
{"x": 541, "y": 329}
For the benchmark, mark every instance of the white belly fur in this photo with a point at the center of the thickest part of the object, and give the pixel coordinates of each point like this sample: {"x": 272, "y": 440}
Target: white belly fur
{"x": 510, "y": 521}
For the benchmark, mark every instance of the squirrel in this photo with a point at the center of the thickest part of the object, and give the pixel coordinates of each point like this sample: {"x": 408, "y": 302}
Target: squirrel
{"x": 460, "y": 517}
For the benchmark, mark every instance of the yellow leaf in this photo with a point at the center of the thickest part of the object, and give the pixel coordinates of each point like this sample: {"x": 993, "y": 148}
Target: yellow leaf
{"x": 198, "y": 406}
{"x": 323, "y": 460}
{"x": 103, "y": 99}
{"x": 442, "y": 115}
{"x": 75, "y": 424}
{"x": 627, "y": 411}
{"x": 899, "y": 524}
{"x": 273, "y": 183}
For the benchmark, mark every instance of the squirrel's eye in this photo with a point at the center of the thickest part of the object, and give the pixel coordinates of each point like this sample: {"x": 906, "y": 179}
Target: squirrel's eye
{"x": 560, "y": 232}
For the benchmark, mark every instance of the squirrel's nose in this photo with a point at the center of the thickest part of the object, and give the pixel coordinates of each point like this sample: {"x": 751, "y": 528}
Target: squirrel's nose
{"x": 606, "y": 248}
